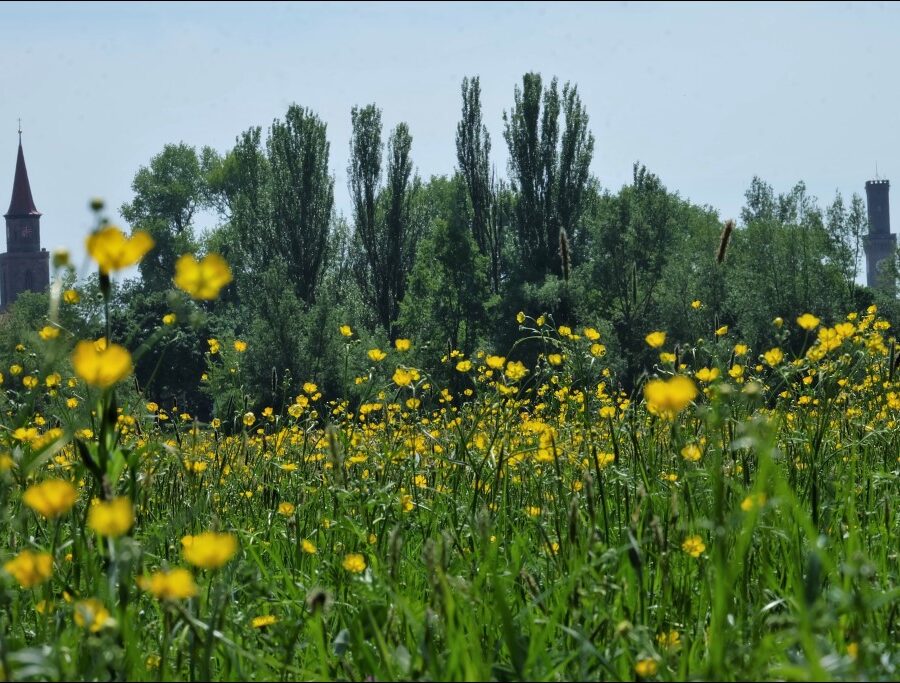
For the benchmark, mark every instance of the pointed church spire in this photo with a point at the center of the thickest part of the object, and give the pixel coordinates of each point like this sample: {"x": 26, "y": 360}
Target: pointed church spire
{"x": 22, "y": 203}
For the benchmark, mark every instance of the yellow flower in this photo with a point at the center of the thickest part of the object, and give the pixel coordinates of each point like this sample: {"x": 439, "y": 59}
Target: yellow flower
{"x": 722, "y": 331}
{"x": 666, "y": 357}
{"x": 404, "y": 377}
{"x": 598, "y": 350}
{"x": 286, "y": 509}
{"x": 52, "y": 380}
{"x": 70, "y": 296}
{"x": 214, "y": 346}
{"x": 402, "y": 344}
{"x": 667, "y": 398}
{"x": 30, "y": 381}
{"x": 29, "y": 568}
{"x": 696, "y": 304}
{"x": 555, "y": 359}
{"x": 175, "y": 584}
{"x": 778, "y": 322}
{"x": 240, "y": 346}
{"x": 495, "y": 362}
{"x": 169, "y": 319}
{"x": 48, "y": 332}
{"x": 376, "y": 355}
{"x": 15, "y": 369}
{"x": 209, "y": 550}
{"x": 101, "y": 367}
{"x": 50, "y": 498}
{"x": 308, "y": 547}
{"x": 202, "y": 279}
{"x": 646, "y": 668}
{"x": 346, "y": 330}
{"x": 91, "y": 614}
{"x": 354, "y": 563}
{"x": 249, "y": 419}
{"x": 113, "y": 519}
{"x": 752, "y": 501}
{"x": 464, "y": 365}
{"x": 655, "y": 339}
{"x": 808, "y": 321}
{"x": 691, "y": 452}
{"x": 707, "y": 374}
{"x": 591, "y": 334}
{"x": 736, "y": 371}
{"x": 112, "y": 251}
{"x": 520, "y": 317}
{"x": 740, "y": 349}
{"x": 693, "y": 546}
{"x": 669, "y": 640}
{"x": 773, "y": 356}
{"x": 267, "y": 620}
{"x": 515, "y": 370}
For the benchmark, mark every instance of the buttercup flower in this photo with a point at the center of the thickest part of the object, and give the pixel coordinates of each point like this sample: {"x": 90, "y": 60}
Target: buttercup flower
{"x": 202, "y": 279}
{"x": 112, "y": 251}
{"x": 101, "y": 364}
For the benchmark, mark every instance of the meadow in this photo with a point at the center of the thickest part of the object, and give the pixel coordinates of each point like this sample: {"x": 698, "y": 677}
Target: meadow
{"x": 733, "y": 516}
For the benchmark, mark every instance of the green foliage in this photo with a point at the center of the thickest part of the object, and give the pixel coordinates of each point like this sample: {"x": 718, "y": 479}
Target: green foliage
{"x": 447, "y": 301}
{"x": 168, "y": 193}
{"x": 452, "y": 261}
{"x": 387, "y": 230}
{"x": 549, "y": 170}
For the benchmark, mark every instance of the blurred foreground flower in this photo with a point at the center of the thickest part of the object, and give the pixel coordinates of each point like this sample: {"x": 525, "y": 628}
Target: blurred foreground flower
{"x": 209, "y": 550}
{"x": 50, "y": 498}
{"x": 667, "y": 398}
{"x": 29, "y": 568}
{"x": 113, "y": 251}
{"x": 176, "y": 584}
{"x": 202, "y": 279}
{"x": 101, "y": 364}
{"x": 114, "y": 518}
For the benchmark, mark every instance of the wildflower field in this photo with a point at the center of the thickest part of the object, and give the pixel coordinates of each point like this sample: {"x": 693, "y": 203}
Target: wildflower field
{"x": 733, "y": 516}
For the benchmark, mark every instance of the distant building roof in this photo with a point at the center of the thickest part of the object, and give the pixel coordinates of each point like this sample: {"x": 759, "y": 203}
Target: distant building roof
{"x": 22, "y": 203}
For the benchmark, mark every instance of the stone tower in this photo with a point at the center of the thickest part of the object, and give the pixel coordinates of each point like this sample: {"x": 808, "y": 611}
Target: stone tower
{"x": 880, "y": 243}
{"x": 24, "y": 266}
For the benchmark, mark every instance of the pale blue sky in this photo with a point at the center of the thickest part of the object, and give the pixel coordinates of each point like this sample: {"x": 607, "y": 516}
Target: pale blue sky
{"x": 705, "y": 95}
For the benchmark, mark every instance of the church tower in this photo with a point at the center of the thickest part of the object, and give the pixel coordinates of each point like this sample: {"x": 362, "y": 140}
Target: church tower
{"x": 24, "y": 266}
{"x": 880, "y": 243}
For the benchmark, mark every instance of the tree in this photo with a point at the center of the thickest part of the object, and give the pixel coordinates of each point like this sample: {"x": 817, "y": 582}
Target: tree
{"x": 386, "y": 229}
{"x": 445, "y": 304}
{"x": 278, "y": 202}
{"x": 302, "y": 196}
{"x": 784, "y": 262}
{"x": 846, "y": 228}
{"x": 549, "y": 173}
{"x": 168, "y": 194}
{"x": 633, "y": 236}
{"x": 473, "y": 150}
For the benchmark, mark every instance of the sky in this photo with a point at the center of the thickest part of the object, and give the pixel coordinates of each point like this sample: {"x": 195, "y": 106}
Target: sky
{"x": 705, "y": 95}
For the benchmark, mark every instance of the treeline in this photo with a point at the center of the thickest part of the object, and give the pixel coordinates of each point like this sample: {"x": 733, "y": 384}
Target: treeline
{"x": 449, "y": 261}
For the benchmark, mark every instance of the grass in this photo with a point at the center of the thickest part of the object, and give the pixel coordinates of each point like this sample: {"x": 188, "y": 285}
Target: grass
{"x": 509, "y": 534}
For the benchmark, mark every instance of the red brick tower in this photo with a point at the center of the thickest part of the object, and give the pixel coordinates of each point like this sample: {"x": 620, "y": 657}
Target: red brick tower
{"x": 24, "y": 266}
